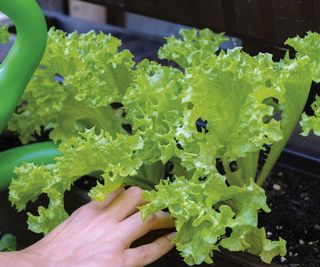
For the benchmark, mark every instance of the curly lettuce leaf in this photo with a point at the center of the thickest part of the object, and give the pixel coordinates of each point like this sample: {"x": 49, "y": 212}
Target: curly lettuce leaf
{"x": 79, "y": 77}
{"x": 312, "y": 123}
{"x": 153, "y": 108}
{"x": 203, "y": 211}
{"x": 253, "y": 240}
{"x": 32, "y": 181}
{"x": 114, "y": 158}
{"x": 89, "y": 153}
{"x": 308, "y": 46}
{"x": 192, "y": 48}
{"x": 223, "y": 91}
{"x": 219, "y": 93}
{"x": 50, "y": 217}
{"x": 296, "y": 75}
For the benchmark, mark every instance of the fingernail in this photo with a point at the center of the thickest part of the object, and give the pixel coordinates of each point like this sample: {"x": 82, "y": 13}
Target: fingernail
{"x": 171, "y": 236}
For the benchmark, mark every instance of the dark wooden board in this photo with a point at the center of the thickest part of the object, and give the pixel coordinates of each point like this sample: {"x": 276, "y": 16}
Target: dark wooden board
{"x": 54, "y": 5}
{"x": 270, "y": 21}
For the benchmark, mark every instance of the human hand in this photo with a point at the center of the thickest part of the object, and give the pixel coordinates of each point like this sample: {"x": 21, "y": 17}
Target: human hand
{"x": 100, "y": 234}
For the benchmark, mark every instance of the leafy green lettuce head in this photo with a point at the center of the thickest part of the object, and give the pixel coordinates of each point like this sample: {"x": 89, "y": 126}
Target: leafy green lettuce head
{"x": 220, "y": 107}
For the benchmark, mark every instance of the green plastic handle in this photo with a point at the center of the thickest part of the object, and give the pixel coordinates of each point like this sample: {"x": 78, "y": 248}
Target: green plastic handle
{"x": 39, "y": 153}
{"x": 24, "y": 57}
{"x": 15, "y": 73}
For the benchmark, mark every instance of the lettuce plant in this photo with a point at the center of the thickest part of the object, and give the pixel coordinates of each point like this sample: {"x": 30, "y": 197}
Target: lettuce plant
{"x": 190, "y": 136}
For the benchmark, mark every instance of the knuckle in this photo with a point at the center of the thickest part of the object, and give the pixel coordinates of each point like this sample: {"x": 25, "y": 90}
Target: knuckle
{"x": 136, "y": 192}
{"x": 86, "y": 209}
{"x": 144, "y": 253}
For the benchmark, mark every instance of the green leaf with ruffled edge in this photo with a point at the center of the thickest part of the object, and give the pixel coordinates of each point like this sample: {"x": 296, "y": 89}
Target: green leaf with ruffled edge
{"x": 90, "y": 153}
{"x": 113, "y": 159}
{"x": 308, "y": 51}
{"x": 253, "y": 240}
{"x": 84, "y": 74}
{"x": 309, "y": 46}
{"x": 153, "y": 108}
{"x": 312, "y": 123}
{"x": 192, "y": 48}
{"x": 30, "y": 183}
{"x": 48, "y": 218}
{"x": 204, "y": 210}
{"x": 223, "y": 91}
{"x": 220, "y": 93}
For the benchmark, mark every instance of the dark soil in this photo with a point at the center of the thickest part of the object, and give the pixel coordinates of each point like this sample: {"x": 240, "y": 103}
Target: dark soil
{"x": 295, "y": 202}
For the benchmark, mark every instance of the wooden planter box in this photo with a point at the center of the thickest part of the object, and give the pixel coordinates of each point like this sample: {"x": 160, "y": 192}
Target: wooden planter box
{"x": 271, "y": 21}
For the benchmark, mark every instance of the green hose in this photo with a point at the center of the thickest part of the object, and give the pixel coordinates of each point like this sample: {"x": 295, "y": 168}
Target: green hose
{"x": 24, "y": 57}
{"x": 15, "y": 73}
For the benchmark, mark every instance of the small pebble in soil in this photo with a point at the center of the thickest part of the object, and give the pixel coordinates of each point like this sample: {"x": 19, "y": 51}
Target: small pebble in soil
{"x": 279, "y": 227}
{"x": 276, "y": 187}
{"x": 283, "y": 259}
{"x": 304, "y": 195}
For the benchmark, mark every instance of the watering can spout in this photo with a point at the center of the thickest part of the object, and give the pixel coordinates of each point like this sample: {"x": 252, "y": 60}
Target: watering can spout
{"x": 15, "y": 73}
{"x": 24, "y": 57}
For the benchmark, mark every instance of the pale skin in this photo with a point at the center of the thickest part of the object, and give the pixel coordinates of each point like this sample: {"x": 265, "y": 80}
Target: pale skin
{"x": 99, "y": 234}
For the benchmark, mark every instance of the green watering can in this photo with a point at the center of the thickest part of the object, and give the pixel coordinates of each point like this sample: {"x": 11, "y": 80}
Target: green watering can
{"x": 15, "y": 73}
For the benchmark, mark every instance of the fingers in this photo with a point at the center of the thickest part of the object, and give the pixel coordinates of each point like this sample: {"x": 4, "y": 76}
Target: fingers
{"x": 149, "y": 253}
{"x": 125, "y": 204}
{"x": 133, "y": 227}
